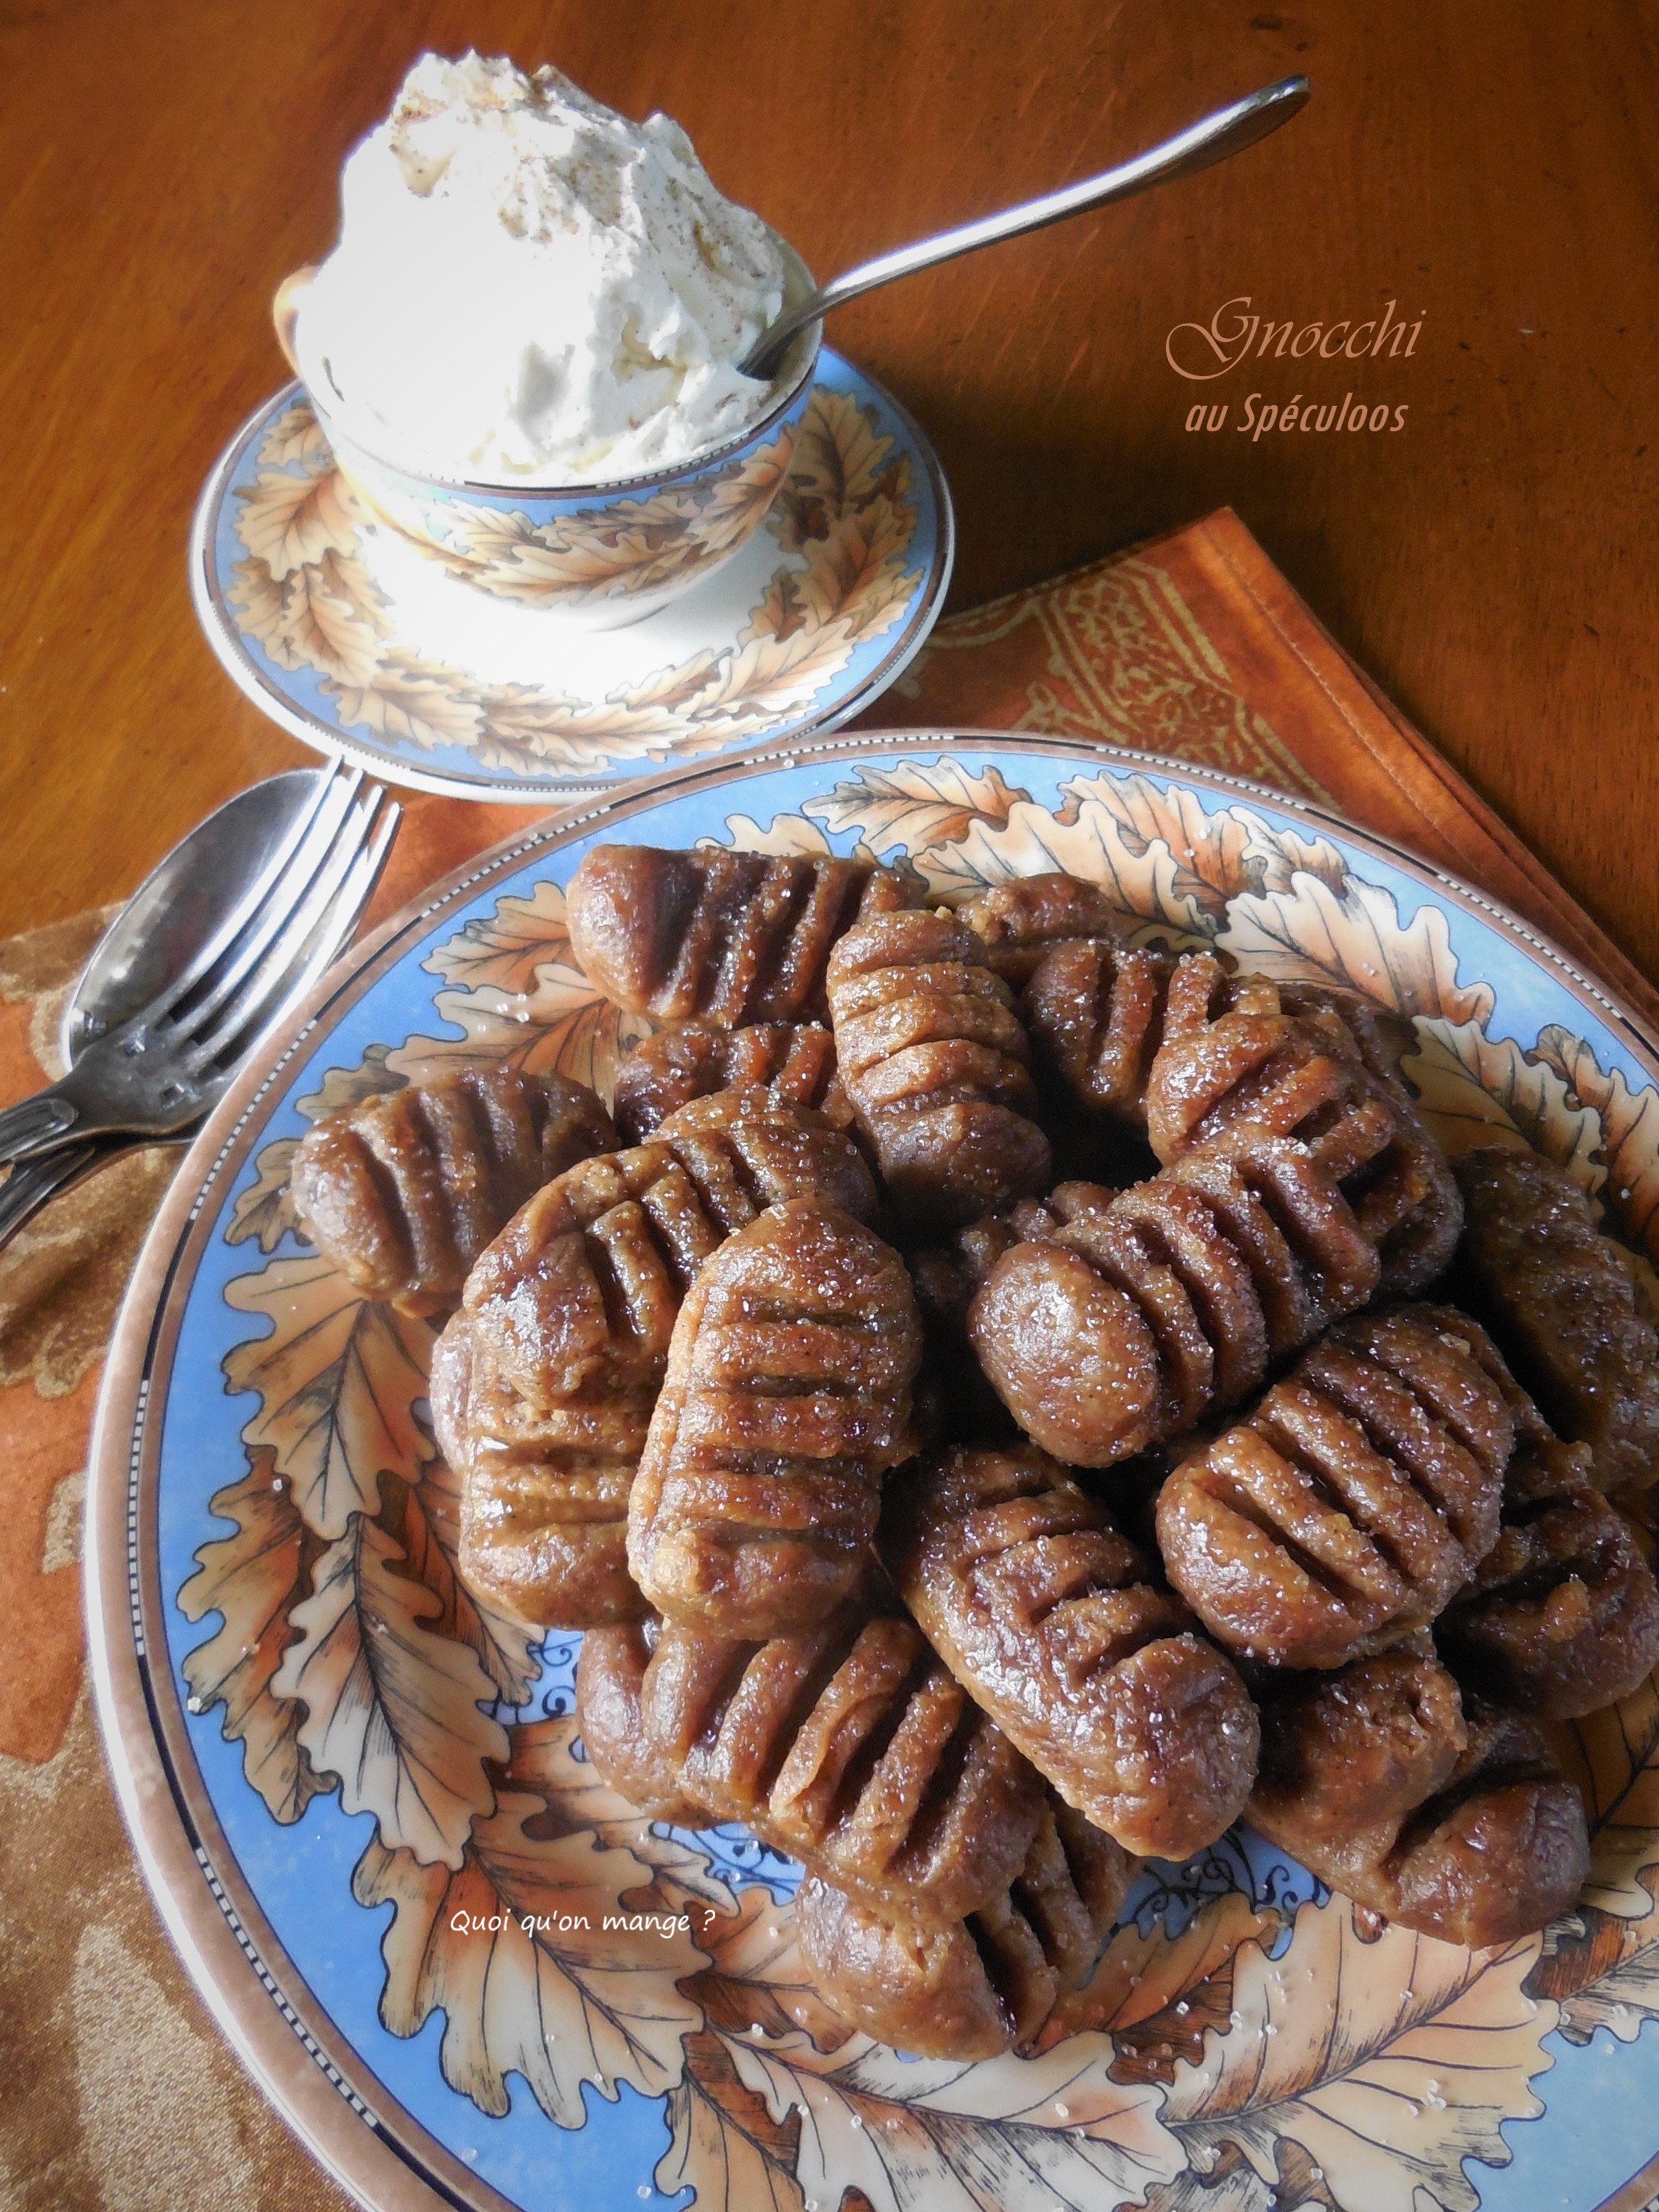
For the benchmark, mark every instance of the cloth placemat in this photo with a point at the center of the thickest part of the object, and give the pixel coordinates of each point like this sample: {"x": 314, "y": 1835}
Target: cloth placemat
{"x": 117, "y": 2094}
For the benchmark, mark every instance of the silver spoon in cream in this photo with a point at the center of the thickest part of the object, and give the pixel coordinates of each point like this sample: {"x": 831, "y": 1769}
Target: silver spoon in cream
{"x": 1215, "y": 138}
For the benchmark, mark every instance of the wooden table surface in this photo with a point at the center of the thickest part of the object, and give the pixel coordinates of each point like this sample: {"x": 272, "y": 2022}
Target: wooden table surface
{"x": 1487, "y": 167}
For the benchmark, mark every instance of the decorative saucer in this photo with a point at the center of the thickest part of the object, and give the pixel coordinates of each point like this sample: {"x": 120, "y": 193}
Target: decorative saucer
{"x": 361, "y": 642}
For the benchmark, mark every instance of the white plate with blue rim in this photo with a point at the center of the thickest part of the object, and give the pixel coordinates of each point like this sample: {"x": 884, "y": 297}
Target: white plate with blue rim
{"x": 464, "y": 1969}
{"x": 356, "y": 639}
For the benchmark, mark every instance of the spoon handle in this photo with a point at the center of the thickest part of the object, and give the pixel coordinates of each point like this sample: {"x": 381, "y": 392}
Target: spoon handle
{"x": 28, "y": 1186}
{"x": 1228, "y": 131}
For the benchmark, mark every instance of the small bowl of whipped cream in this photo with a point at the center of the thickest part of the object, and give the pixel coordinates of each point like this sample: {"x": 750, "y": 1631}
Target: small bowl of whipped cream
{"x": 523, "y": 350}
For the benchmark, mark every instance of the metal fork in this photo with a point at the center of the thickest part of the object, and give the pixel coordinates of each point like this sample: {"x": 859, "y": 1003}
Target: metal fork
{"x": 156, "y": 1074}
{"x": 28, "y": 1186}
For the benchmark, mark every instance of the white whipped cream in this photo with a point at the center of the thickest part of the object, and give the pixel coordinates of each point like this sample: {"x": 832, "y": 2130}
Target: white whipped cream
{"x": 529, "y": 286}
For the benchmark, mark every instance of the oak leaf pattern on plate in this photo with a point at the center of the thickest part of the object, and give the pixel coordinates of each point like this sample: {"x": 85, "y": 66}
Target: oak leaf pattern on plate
{"x": 1196, "y": 2071}
{"x": 1474, "y": 1090}
{"x": 371, "y": 1077}
{"x": 577, "y": 557}
{"x": 725, "y": 2141}
{"x": 781, "y": 2099}
{"x": 547, "y": 1992}
{"x": 649, "y": 541}
{"x": 338, "y": 1377}
{"x": 1601, "y": 1963}
{"x": 424, "y": 1520}
{"x": 264, "y": 1212}
{"x": 1354, "y": 938}
{"x": 295, "y": 438}
{"x": 545, "y": 1758}
{"x": 858, "y": 564}
{"x": 1630, "y": 1135}
{"x": 1282, "y": 854}
{"x": 842, "y": 464}
{"x": 252, "y": 1579}
{"x": 515, "y": 992}
{"x": 310, "y": 621}
{"x": 414, "y": 699}
{"x": 910, "y": 808}
{"x": 1144, "y": 1974}
{"x": 1389, "y": 2061}
{"x": 1614, "y": 1757}
{"x": 1140, "y": 877}
{"x": 1613, "y": 1966}
{"x": 784, "y": 833}
{"x": 289, "y": 522}
{"x": 393, "y": 1706}
{"x": 1211, "y": 850}
{"x": 304, "y": 594}
{"x": 723, "y": 2144}
{"x": 325, "y": 627}
{"x": 928, "y": 2133}
{"x": 508, "y": 949}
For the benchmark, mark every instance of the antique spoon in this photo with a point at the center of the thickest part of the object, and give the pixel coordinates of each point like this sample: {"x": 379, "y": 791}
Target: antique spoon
{"x": 194, "y": 900}
{"x": 1226, "y": 132}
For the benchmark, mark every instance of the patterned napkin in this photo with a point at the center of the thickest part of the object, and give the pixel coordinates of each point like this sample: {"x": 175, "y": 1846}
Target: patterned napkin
{"x": 116, "y": 2090}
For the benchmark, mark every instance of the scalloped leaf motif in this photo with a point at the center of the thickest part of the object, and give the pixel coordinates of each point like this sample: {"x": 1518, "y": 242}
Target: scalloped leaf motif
{"x": 758, "y": 1983}
{"x": 1354, "y": 940}
{"x": 1144, "y": 878}
{"x": 513, "y": 1946}
{"x": 723, "y": 2144}
{"x": 926, "y": 2136}
{"x": 508, "y": 948}
{"x": 544, "y": 1760}
{"x": 1474, "y": 1090}
{"x": 859, "y": 565}
{"x": 842, "y": 465}
{"x": 425, "y": 1521}
{"x": 1282, "y": 854}
{"x": 911, "y": 807}
{"x": 252, "y": 1578}
{"x": 1603, "y": 1971}
{"x": 264, "y": 1210}
{"x": 393, "y": 1706}
{"x": 1142, "y": 1976}
{"x": 305, "y": 596}
{"x": 1389, "y": 2063}
{"x": 1211, "y": 849}
{"x": 520, "y": 1001}
{"x": 337, "y": 1378}
{"x": 418, "y": 702}
{"x": 1614, "y": 1757}
{"x": 324, "y": 623}
{"x": 295, "y": 438}
{"x": 289, "y": 522}
{"x": 1629, "y": 1126}
{"x": 786, "y": 834}
{"x": 646, "y": 541}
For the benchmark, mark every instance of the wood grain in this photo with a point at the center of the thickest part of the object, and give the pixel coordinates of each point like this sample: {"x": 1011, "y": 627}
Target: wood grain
{"x": 1487, "y": 167}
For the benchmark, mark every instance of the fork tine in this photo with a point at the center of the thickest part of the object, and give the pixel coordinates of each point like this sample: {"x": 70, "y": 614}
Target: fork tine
{"x": 296, "y": 836}
{"x": 308, "y": 863}
{"x": 312, "y": 934}
{"x": 256, "y": 986}
{"x": 330, "y": 936}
